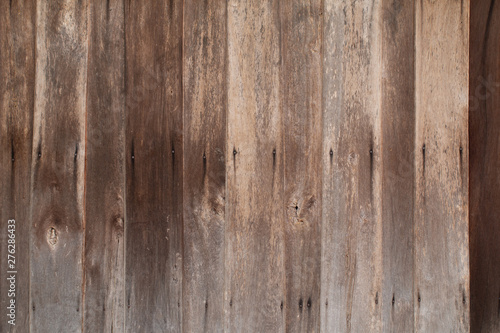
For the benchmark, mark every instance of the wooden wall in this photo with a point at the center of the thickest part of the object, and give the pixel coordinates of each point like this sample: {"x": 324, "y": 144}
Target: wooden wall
{"x": 237, "y": 166}
{"x": 485, "y": 165}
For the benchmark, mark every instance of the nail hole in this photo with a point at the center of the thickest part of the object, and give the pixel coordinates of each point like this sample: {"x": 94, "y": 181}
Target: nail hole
{"x": 300, "y": 304}
{"x": 234, "y": 152}
{"x": 331, "y": 152}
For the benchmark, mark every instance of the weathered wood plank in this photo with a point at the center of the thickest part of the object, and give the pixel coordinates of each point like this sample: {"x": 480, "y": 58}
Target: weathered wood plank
{"x": 17, "y": 76}
{"x": 352, "y": 229}
{"x": 484, "y": 118}
{"x": 254, "y": 262}
{"x": 58, "y": 167}
{"x": 397, "y": 22}
{"x": 441, "y": 290}
{"x": 105, "y": 172}
{"x": 302, "y": 118}
{"x": 205, "y": 105}
{"x": 154, "y": 157}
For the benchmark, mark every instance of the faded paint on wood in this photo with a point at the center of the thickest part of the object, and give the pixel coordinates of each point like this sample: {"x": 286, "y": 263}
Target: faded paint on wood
{"x": 154, "y": 156}
{"x": 441, "y": 289}
{"x": 58, "y": 167}
{"x": 352, "y": 229}
{"x": 484, "y": 92}
{"x": 17, "y": 86}
{"x": 205, "y": 106}
{"x": 301, "y": 87}
{"x": 104, "y": 267}
{"x": 254, "y": 248}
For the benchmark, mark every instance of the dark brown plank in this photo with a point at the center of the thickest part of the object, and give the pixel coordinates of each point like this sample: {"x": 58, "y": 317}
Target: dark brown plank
{"x": 302, "y": 118}
{"x": 397, "y": 20}
{"x": 154, "y": 169}
{"x": 58, "y": 167}
{"x": 205, "y": 105}
{"x": 105, "y": 172}
{"x": 254, "y": 257}
{"x": 484, "y": 118}
{"x": 351, "y": 265}
{"x": 441, "y": 289}
{"x": 17, "y": 78}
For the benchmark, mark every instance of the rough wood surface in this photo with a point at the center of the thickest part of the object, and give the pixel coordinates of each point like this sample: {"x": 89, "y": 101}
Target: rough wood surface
{"x": 154, "y": 155}
{"x": 250, "y": 166}
{"x": 352, "y": 230}
{"x": 58, "y": 167}
{"x": 484, "y": 92}
{"x": 205, "y": 105}
{"x": 302, "y": 140}
{"x": 17, "y": 87}
{"x": 441, "y": 289}
{"x": 397, "y": 20}
{"x": 254, "y": 257}
{"x": 104, "y": 260}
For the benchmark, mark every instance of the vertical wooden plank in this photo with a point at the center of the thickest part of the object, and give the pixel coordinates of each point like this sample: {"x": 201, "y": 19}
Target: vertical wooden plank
{"x": 58, "y": 167}
{"x": 397, "y": 24}
{"x": 301, "y": 80}
{"x": 441, "y": 216}
{"x": 254, "y": 262}
{"x": 154, "y": 150}
{"x": 484, "y": 118}
{"x": 205, "y": 104}
{"x": 352, "y": 230}
{"x": 105, "y": 172}
{"x": 17, "y": 76}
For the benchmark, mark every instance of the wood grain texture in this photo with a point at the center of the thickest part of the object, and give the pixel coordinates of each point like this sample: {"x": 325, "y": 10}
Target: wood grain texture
{"x": 17, "y": 86}
{"x": 441, "y": 290}
{"x": 154, "y": 156}
{"x": 105, "y": 172}
{"x": 484, "y": 92}
{"x": 397, "y": 23}
{"x": 301, "y": 81}
{"x": 205, "y": 106}
{"x": 58, "y": 167}
{"x": 254, "y": 248}
{"x": 352, "y": 229}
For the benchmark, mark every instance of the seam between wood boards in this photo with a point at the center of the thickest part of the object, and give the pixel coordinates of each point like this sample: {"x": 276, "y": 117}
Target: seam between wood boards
{"x": 30, "y": 229}
{"x": 124, "y": 166}
{"x": 181, "y": 309}
{"x": 84, "y": 208}
{"x": 322, "y": 104}
{"x": 283, "y": 170}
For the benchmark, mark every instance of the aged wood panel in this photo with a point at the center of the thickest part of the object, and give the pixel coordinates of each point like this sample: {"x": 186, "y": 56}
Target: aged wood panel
{"x": 58, "y": 167}
{"x": 254, "y": 248}
{"x": 17, "y": 78}
{"x": 397, "y": 20}
{"x": 205, "y": 105}
{"x": 484, "y": 118}
{"x": 352, "y": 229}
{"x": 301, "y": 81}
{"x": 105, "y": 172}
{"x": 441, "y": 290}
{"x": 154, "y": 155}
